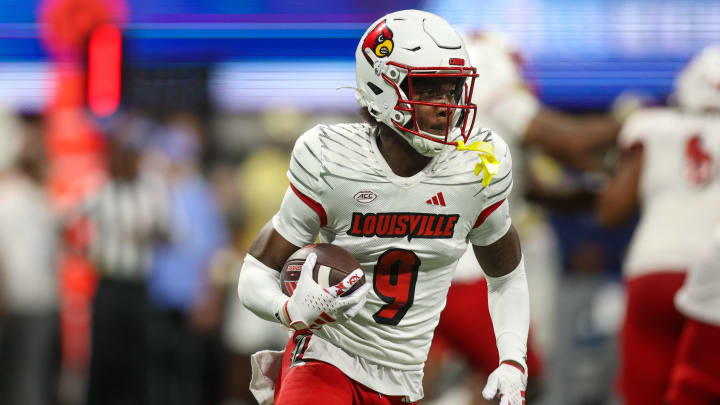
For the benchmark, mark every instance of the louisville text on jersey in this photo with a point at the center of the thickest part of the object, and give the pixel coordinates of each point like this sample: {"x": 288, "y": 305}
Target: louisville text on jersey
{"x": 403, "y": 224}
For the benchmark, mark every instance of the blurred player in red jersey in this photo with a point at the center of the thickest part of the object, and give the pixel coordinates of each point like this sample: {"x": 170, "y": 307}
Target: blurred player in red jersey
{"x": 365, "y": 187}
{"x": 668, "y": 170}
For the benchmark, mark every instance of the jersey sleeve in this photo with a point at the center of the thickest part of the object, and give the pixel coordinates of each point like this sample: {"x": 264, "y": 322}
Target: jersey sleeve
{"x": 637, "y": 127}
{"x": 301, "y": 213}
{"x": 296, "y": 221}
{"x": 493, "y": 219}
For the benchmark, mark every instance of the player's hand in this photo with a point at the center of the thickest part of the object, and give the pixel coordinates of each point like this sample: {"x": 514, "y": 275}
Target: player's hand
{"x": 312, "y": 306}
{"x": 509, "y": 382}
{"x": 628, "y": 102}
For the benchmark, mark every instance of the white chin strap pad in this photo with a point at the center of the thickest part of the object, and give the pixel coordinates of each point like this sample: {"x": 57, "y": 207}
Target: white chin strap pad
{"x": 424, "y": 146}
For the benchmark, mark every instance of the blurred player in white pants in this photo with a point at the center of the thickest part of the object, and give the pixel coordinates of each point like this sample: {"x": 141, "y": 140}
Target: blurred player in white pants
{"x": 695, "y": 376}
{"x": 668, "y": 170}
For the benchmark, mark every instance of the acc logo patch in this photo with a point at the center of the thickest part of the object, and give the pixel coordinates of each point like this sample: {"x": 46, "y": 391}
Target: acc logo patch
{"x": 379, "y": 39}
{"x": 365, "y": 197}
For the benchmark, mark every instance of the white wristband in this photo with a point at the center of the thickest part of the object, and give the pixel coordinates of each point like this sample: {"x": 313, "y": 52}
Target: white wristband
{"x": 509, "y": 304}
{"x": 259, "y": 290}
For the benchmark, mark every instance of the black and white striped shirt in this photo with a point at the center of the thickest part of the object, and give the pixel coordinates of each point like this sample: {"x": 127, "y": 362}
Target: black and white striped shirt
{"x": 126, "y": 218}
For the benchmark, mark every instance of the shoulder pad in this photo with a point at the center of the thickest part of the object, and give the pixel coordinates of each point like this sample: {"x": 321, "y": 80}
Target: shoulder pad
{"x": 457, "y": 168}
{"x": 343, "y": 151}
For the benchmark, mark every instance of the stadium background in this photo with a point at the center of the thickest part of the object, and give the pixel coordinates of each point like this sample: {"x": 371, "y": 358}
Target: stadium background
{"x": 253, "y": 75}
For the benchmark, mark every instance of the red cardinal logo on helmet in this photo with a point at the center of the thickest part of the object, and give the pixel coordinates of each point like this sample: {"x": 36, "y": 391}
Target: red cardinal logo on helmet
{"x": 379, "y": 40}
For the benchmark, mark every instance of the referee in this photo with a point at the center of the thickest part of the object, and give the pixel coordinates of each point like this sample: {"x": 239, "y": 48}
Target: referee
{"x": 127, "y": 216}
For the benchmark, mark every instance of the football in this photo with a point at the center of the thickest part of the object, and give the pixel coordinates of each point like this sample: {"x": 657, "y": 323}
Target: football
{"x": 333, "y": 265}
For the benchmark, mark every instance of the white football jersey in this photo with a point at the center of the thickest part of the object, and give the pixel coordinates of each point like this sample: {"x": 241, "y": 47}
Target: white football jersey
{"x": 699, "y": 297}
{"x": 679, "y": 188}
{"x": 407, "y": 233}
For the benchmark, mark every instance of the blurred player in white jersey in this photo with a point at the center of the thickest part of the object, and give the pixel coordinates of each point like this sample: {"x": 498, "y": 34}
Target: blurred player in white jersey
{"x": 695, "y": 376}
{"x": 365, "y": 187}
{"x": 669, "y": 171}
{"x": 507, "y": 104}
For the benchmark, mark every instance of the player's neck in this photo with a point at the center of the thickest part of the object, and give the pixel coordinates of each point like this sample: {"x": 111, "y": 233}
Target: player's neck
{"x": 399, "y": 155}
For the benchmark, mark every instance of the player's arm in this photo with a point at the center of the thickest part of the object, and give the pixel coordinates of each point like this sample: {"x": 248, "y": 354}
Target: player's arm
{"x": 497, "y": 248}
{"x": 571, "y": 138}
{"x": 259, "y": 282}
{"x": 296, "y": 224}
{"x": 502, "y": 257}
{"x": 508, "y": 297}
{"x": 568, "y": 138}
{"x": 259, "y": 287}
{"x": 619, "y": 200}
{"x": 270, "y": 248}
{"x": 509, "y": 305}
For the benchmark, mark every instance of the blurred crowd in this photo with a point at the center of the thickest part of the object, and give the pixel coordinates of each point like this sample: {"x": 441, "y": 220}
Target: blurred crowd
{"x": 162, "y": 235}
{"x": 164, "y": 232}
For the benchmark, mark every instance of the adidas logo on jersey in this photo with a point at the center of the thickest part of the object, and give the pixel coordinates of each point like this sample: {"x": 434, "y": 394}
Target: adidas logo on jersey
{"x": 437, "y": 199}
{"x": 403, "y": 224}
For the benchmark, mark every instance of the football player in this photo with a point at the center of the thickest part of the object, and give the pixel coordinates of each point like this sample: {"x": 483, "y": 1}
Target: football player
{"x": 365, "y": 187}
{"x": 669, "y": 171}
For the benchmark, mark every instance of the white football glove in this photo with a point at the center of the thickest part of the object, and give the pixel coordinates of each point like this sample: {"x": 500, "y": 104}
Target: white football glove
{"x": 312, "y": 306}
{"x": 508, "y": 381}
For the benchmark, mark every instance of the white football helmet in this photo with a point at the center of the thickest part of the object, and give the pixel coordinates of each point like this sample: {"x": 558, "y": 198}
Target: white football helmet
{"x": 405, "y": 45}
{"x": 697, "y": 87}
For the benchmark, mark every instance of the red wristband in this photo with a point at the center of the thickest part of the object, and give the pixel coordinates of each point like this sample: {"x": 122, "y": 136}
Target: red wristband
{"x": 517, "y": 366}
